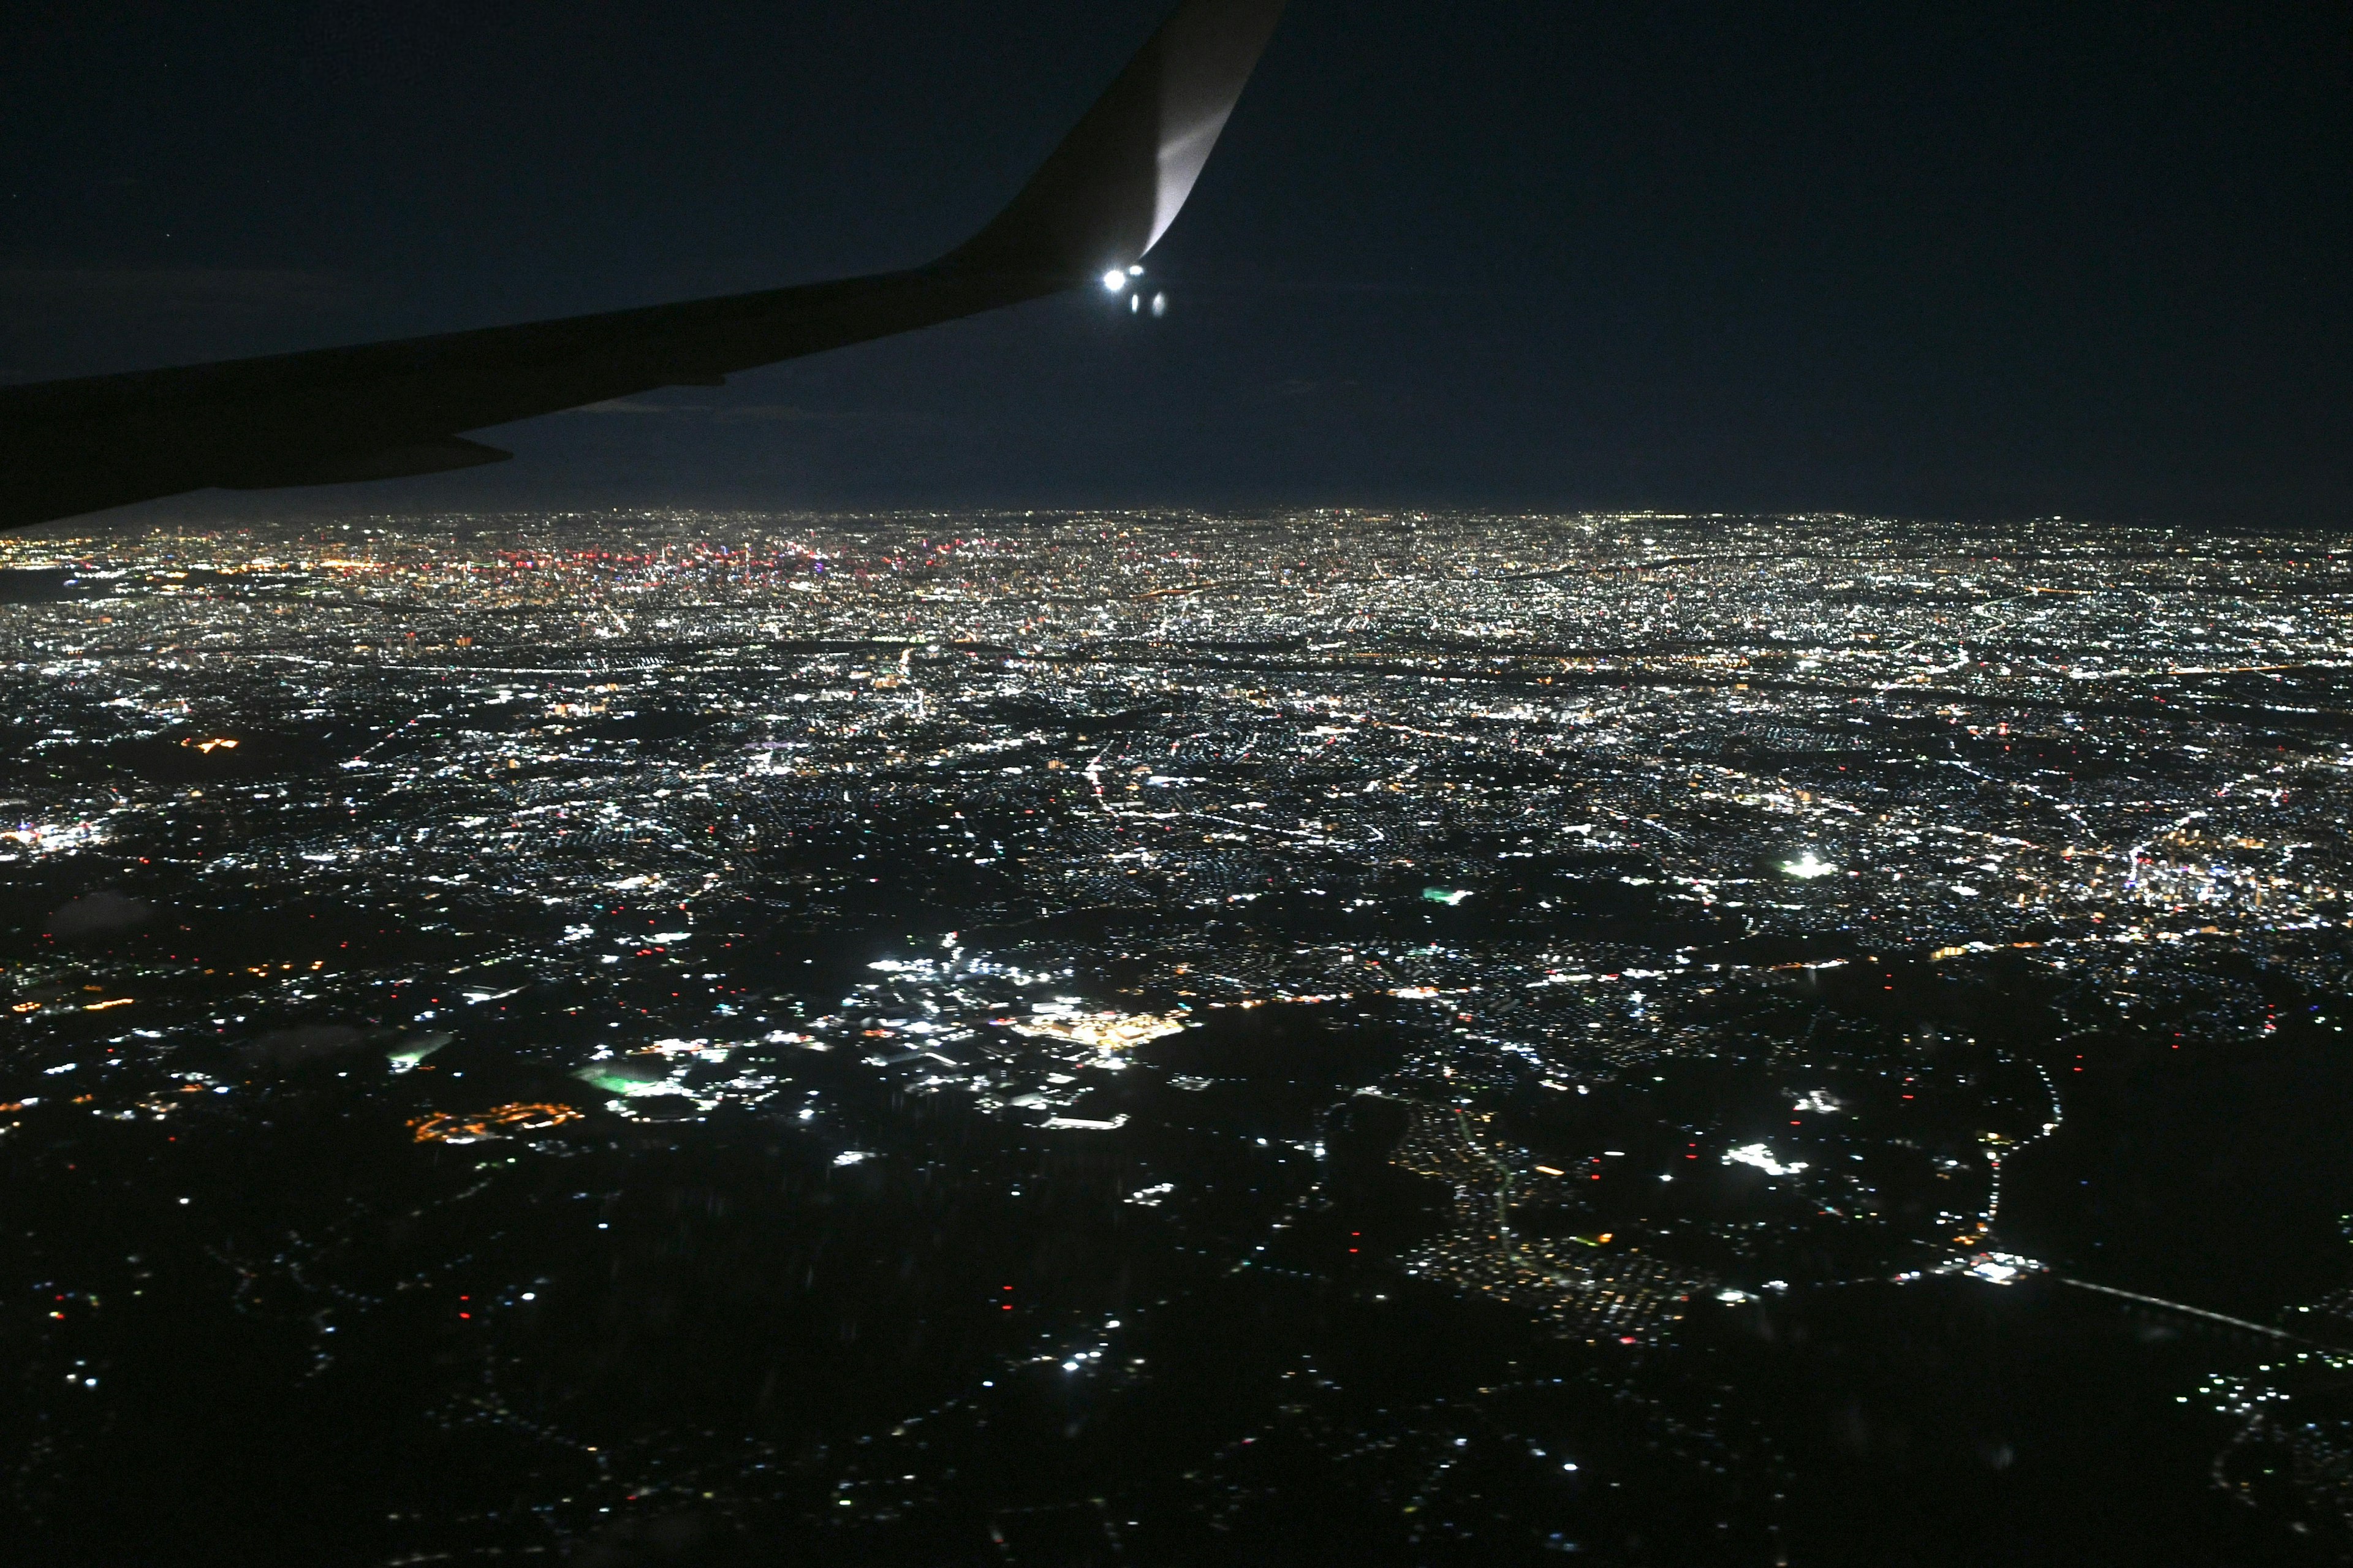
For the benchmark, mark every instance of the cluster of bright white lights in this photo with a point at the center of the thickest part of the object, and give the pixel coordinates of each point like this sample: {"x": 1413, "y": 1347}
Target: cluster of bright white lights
{"x": 2001, "y": 1267}
{"x": 1761, "y": 1157}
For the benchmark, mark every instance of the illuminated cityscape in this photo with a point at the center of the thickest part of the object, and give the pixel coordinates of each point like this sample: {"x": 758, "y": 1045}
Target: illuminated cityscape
{"x": 1071, "y": 1039}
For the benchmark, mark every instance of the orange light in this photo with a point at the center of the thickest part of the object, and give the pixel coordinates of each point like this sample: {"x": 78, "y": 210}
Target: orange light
{"x": 452, "y": 1127}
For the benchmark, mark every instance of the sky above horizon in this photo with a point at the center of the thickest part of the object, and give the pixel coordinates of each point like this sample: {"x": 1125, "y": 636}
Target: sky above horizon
{"x": 1940, "y": 259}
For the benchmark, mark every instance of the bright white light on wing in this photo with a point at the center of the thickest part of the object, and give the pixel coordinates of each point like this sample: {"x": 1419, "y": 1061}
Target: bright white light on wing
{"x": 1115, "y": 279}
{"x": 1135, "y": 271}
{"x": 1160, "y": 304}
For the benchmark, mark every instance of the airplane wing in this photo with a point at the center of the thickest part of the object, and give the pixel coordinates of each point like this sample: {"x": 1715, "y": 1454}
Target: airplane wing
{"x": 385, "y": 410}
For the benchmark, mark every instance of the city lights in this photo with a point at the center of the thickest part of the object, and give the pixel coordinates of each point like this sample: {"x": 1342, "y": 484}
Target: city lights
{"x": 632, "y": 961}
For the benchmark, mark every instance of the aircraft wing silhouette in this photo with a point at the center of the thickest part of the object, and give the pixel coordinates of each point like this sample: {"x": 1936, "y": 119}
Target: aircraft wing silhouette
{"x": 384, "y": 410}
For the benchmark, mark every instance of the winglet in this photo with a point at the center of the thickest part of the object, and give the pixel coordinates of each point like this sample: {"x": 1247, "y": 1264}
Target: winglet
{"x": 1110, "y": 190}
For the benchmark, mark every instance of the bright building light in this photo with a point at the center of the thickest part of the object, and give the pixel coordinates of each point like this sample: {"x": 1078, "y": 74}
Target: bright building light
{"x": 1808, "y": 866}
{"x": 1761, "y": 1157}
{"x": 2001, "y": 1267}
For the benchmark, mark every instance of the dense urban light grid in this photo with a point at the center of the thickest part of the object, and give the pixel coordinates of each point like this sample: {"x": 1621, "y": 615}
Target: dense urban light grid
{"x": 1041, "y": 1038}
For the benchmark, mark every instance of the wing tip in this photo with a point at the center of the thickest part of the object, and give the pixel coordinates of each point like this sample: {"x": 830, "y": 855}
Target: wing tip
{"x": 1109, "y": 191}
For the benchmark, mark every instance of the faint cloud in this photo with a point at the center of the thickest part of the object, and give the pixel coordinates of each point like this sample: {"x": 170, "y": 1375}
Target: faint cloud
{"x": 99, "y": 913}
{"x": 638, "y": 406}
{"x": 1305, "y": 386}
{"x": 752, "y": 412}
{"x": 307, "y": 1042}
{"x": 792, "y": 413}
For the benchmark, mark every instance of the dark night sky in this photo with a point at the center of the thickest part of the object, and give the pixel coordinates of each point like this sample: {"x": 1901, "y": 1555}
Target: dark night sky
{"x": 2008, "y": 259}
